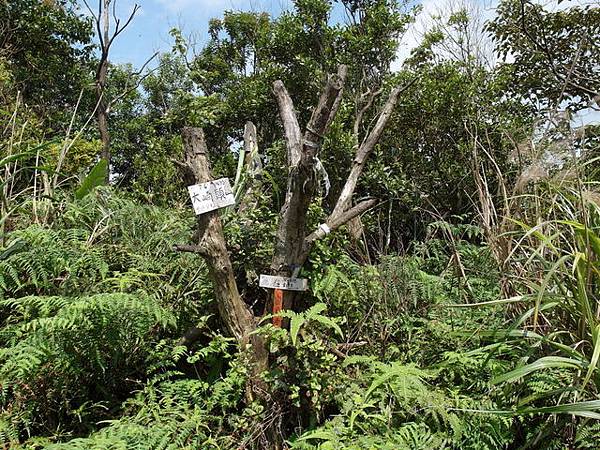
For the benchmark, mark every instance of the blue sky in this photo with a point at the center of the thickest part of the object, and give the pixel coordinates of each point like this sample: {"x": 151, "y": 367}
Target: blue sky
{"x": 149, "y": 31}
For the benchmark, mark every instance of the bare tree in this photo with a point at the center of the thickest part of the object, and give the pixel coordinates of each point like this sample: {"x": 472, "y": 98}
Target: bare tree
{"x": 108, "y": 28}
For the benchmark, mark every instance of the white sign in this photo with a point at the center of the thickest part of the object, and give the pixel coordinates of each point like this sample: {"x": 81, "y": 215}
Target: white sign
{"x": 212, "y": 195}
{"x": 286, "y": 284}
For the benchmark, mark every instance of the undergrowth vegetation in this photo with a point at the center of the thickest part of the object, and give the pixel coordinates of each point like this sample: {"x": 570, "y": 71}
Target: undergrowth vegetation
{"x": 416, "y": 351}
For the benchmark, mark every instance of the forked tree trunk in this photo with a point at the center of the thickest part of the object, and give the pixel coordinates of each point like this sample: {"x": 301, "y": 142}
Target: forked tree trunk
{"x": 106, "y": 37}
{"x": 302, "y": 152}
{"x": 293, "y": 243}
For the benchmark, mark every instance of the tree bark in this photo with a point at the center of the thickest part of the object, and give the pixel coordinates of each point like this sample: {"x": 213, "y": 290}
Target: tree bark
{"x": 234, "y": 313}
{"x": 102, "y": 21}
{"x": 101, "y": 75}
{"x": 363, "y": 152}
{"x": 102, "y": 117}
{"x": 292, "y": 244}
{"x": 254, "y": 169}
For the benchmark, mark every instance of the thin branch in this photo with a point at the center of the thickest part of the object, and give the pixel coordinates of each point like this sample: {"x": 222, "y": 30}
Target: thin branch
{"x": 98, "y": 20}
{"x": 366, "y": 148}
{"x": 370, "y": 96}
{"x": 190, "y": 249}
{"x": 114, "y": 14}
{"x": 335, "y": 221}
{"x": 139, "y": 81}
{"x": 118, "y": 30}
{"x": 66, "y": 146}
{"x": 91, "y": 11}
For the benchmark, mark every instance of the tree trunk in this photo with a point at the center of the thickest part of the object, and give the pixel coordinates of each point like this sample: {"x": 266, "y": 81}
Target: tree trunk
{"x": 102, "y": 110}
{"x": 101, "y": 75}
{"x": 293, "y": 242}
{"x": 254, "y": 168}
{"x": 234, "y": 313}
{"x": 102, "y": 117}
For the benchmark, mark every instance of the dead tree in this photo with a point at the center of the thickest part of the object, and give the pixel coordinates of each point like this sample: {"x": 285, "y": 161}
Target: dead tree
{"x": 210, "y": 244}
{"x": 293, "y": 240}
{"x": 252, "y": 179}
{"x": 106, "y": 37}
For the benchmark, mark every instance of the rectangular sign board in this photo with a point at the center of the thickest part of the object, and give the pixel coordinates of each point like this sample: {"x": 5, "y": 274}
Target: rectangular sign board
{"x": 212, "y": 195}
{"x": 286, "y": 284}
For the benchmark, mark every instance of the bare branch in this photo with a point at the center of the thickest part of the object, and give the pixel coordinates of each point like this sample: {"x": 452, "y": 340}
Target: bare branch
{"x": 105, "y": 27}
{"x": 302, "y": 181}
{"x": 293, "y": 136}
{"x": 370, "y": 97}
{"x": 114, "y": 14}
{"x": 119, "y": 30}
{"x": 98, "y": 20}
{"x": 369, "y": 143}
{"x": 189, "y": 249}
{"x": 139, "y": 81}
{"x": 249, "y": 137}
{"x": 365, "y": 150}
{"x": 327, "y": 107}
{"x": 91, "y": 11}
{"x": 338, "y": 100}
{"x": 334, "y": 222}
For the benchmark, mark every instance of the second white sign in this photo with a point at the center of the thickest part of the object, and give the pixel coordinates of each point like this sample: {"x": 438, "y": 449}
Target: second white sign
{"x": 283, "y": 283}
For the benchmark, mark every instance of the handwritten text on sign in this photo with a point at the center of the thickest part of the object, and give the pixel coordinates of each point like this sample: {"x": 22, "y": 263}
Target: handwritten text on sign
{"x": 212, "y": 195}
{"x": 286, "y": 284}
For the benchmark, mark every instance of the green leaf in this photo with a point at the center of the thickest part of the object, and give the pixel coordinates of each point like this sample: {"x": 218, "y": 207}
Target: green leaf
{"x": 595, "y": 356}
{"x": 329, "y": 323}
{"x": 583, "y": 409}
{"x": 318, "y": 434}
{"x": 295, "y": 324}
{"x": 95, "y": 178}
{"x": 17, "y": 156}
{"x": 546, "y": 362}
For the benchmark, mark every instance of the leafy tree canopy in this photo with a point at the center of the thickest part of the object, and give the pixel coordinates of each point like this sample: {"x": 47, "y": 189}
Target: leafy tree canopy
{"x": 47, "y": 45}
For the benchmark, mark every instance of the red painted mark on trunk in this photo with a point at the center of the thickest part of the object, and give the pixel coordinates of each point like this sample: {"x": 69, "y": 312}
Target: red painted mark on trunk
{"x": 277, "y": 307}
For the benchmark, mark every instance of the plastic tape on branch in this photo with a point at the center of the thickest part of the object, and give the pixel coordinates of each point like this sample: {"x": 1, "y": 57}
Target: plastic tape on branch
{"x": 324, "y": 184}
{"x": 312, "y": 145}
{"x": 325, "y": 228}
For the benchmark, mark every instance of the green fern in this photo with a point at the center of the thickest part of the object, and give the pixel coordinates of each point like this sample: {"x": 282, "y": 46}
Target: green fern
{"x": 313, "y": 314}
{"x": 58, "y": 350}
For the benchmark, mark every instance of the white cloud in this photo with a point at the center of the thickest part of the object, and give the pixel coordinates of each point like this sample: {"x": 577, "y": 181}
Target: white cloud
{"x": 414, "y": 34}
{"x": 442, "y": 8}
